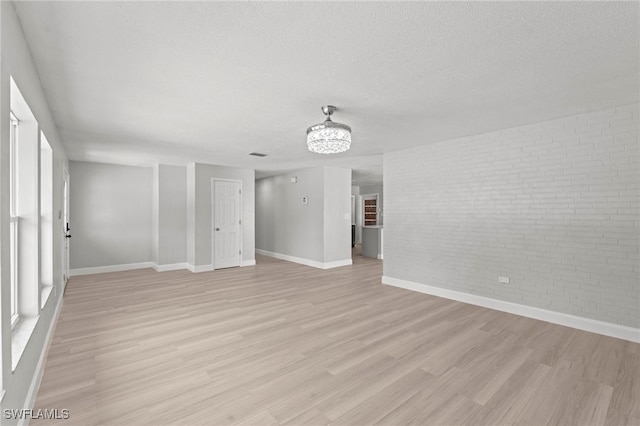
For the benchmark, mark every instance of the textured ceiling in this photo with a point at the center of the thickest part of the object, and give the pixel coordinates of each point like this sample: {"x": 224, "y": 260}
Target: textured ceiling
{"x": 138, "y": 82}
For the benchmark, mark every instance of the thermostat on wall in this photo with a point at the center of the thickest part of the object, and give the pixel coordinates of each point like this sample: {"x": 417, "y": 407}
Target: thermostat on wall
{"x": 305, "y": 200}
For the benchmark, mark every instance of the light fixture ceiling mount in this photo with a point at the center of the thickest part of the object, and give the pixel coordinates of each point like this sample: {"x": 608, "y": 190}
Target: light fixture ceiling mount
{"x": 329, "y": 137}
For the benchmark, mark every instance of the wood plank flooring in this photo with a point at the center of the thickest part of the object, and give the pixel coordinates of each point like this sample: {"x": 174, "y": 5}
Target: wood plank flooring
{"x": 284, "y": 344}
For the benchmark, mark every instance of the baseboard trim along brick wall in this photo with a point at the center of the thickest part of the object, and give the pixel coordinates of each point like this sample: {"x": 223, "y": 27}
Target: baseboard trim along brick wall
{"x": 600, "y": 327}
{"x": 545, "y": 215}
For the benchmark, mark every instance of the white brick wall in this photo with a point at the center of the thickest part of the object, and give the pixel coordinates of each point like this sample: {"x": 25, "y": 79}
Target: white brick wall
{"x": 554, "y": 205}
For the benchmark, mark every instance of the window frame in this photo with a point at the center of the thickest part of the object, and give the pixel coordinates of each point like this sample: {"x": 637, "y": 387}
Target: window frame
{"x": 46, "y": 219}
{"x": 14, "y": 220}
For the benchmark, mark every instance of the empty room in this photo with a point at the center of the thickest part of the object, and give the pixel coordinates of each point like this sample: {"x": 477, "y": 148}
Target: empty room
{"x": 319, "y": 213}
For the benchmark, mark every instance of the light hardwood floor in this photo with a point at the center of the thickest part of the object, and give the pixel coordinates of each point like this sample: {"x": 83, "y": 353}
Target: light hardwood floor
{"x": 281, "y": 343}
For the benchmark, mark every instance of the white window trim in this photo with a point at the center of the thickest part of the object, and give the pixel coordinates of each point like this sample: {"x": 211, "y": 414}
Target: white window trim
{"x": 46, "y": 219}
{"x": 14, "y": 221}
{"x": 15, "y": 228}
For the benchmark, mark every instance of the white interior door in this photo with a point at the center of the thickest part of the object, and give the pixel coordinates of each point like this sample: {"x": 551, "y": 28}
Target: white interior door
{"x": 227, "y": 226}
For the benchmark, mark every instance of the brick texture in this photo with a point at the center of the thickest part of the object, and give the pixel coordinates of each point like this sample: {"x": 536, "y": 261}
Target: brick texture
{"x": 555, "y": 206}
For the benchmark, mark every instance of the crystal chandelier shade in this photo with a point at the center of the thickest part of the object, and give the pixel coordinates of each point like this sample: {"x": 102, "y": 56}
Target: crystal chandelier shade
{"x": 329, "y": 137}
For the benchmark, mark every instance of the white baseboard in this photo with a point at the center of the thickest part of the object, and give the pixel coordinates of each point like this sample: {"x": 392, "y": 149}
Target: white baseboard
{"x": 39, "y": 372}
{"x": 608, "y": 329}
{"x": 111, "y": 268}
{"x": 207, "y": 268}
{"x": 308, "y": 262}
{"x": 144, "y": 265}
{"x": 170, "y": 267}
{"x": 199, "y": 268}
{"x": 336, "y": 264}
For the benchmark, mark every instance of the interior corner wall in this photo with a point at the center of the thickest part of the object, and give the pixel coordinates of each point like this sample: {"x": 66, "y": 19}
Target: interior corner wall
{"x": 315, "y": 233}
{"x": 554, "y": 206}
{"x": 172, "y": 215}
{"x": 191, "y": 214}
{"x": 111, "y": 214}
{"x": 155, "y": 214}
{"x": 337, "y": 214}
{"x": 286, "y": 226}
{"x": 199, "y": 211}
{"x": 16, "y": 61}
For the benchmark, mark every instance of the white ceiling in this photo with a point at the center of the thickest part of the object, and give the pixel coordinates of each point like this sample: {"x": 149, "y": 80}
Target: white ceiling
{"x": 138, "y": 82}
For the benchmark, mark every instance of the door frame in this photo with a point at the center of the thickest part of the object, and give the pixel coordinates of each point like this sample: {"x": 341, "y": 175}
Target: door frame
{"x": 213, "y": 219}
{"x": 66, "y": 193}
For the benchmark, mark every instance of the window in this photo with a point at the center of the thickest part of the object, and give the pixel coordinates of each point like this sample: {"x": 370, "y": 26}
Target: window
{"x": 24, "y": 244}
{"x": 14, "y": 219}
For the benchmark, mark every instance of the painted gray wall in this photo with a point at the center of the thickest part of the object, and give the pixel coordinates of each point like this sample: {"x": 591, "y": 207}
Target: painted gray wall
{"x": 337, "y": 214}
{"x": 191, "y": 214}
{"x": 155, "y": 214}
{"x": 284, "y": 225}
{"x": 17, "y": 62}
{"x": 199, "y": 211}
{"x": 110, "y": 214}
{"x": 319, "y": 231}
{"x": 172, "y": 215}
{"x": 552, "y": 205}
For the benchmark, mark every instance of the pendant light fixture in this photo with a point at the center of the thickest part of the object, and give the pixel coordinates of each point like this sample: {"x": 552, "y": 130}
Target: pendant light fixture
{"x": 329, "y": 137}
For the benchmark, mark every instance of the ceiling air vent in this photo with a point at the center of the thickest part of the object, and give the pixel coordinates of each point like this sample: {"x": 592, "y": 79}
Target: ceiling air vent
{"x": 257, "y": 154}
